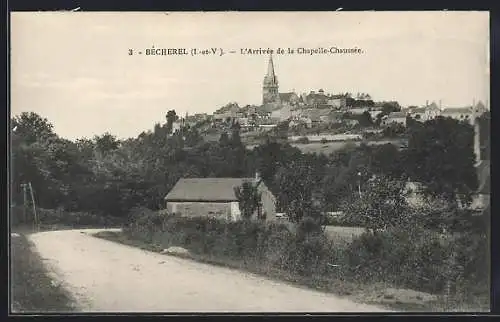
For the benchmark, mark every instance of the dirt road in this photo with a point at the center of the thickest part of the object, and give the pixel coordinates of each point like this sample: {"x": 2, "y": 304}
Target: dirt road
{"x": 108, "y": 277}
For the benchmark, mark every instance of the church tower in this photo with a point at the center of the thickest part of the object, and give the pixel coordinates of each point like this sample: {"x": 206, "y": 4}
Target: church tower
{"x": 270, "y": 92}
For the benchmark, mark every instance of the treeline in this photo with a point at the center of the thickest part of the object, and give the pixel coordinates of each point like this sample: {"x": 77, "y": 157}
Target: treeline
{"x": 106, "y": 176}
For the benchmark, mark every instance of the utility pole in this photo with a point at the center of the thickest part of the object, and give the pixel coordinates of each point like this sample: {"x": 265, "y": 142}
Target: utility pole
{"x": 25, "y": 194}
{"x": 35, "y": 218}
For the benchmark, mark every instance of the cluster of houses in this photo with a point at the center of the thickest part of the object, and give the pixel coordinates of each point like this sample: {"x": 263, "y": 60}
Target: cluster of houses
{"x": 216, "y": 196}
{"x": 431, "y": 111}
{"x": 320, "y": 108}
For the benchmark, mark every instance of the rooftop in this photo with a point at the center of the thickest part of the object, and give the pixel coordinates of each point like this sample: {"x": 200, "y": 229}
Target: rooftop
{"x": 396, "y": 115}
{"x": 206, "y": 189}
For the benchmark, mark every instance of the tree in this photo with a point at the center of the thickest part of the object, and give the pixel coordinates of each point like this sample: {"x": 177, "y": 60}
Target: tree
{"x": 394, "y": 130}
{"x": 440, "y": 155}
{"x": 31, "y": 127}
{"x": 193, "y": 137}
{"x": 106, "y": 142}
{"x": 365, "y": 119}
{"x": 224, "y": 139}
{"x": 171, "y": 118}
{"x": 249, "y": 199}
{"x": 296, "y": 187}
{"x": 382, "y": 205}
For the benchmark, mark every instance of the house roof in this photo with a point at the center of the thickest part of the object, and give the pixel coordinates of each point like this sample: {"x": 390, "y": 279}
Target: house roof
{"x": 316, "y": 96}
{"x": 396, "y": 115}
{"x": 456, "y": 110}
{"x": 206, "y": 189}
{"x": 315, "y": 114}
{"x": 359, "y": 110}
{"x": 286, "y": 96}
{"x": 417, "y": 110}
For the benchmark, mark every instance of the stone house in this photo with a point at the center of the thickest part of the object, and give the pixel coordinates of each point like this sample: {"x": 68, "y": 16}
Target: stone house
{"x": 458, "y": 113}
{"x": 359, "y": 110}
{"x": 215, "y": 197}
{"x": 467, "y": 114}
{"x": 290, "y": 99}
{"x": 425, "y": 113}
{"x": 337, "y": 101}
{"x": 394, "y": 117}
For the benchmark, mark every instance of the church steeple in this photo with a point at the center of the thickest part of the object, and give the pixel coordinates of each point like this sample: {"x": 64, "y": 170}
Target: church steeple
{"x": 270, "y": 87}
{"x": 270, "y": 68}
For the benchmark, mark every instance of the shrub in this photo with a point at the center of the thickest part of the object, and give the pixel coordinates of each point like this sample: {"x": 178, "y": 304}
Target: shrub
{"x": 303, "y": 140}
{"x": 419, "y": 259}
{"x": 265, "y": 244}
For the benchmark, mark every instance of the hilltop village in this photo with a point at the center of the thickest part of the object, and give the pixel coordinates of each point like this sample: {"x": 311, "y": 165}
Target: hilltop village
{"x": 318, "y": 116}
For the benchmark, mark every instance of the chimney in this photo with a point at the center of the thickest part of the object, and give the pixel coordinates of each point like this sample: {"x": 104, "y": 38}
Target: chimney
{"x": 426, "y": 103}
{"x": 440, "y": 104}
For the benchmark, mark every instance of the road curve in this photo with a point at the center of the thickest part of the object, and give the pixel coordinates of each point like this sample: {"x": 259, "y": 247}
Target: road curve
{"x": 104, "y": 276}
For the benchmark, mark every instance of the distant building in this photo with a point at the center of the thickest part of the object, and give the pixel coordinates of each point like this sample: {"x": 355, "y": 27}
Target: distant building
{"x": 337, "y": 101}
{"x": 215, "y": 197}
{"x": 285, "y": 113}
{"x": 359, "y": 110}
{"x": 270, "y": 93}
{"x": 458, "y": 113}
{"x": 374, "y": 114}
{"x": 291, "y": 99}
{"x": 176, "y": 126}
{"x": 315, "y": 115}
{"x": 425, "y": 113}
{"x": 335, "y": 117}
{"x": 394, "y": 118}
{"x": 350, "y": 122}
{"x": 316, "y": 99}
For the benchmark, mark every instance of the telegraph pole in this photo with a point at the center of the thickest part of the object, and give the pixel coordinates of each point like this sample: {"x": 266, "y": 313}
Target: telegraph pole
{"x": 25, "y": 199}
{"x": 35, "y": 216}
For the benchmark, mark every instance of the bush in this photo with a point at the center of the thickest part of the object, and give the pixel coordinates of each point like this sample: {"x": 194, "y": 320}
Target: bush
{"x": 303, "y": 140}
{"x": 420, "y": 259}
{"x": 268, "y": 245}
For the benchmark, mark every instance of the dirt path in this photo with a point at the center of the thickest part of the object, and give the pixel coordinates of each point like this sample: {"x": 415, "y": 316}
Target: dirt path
{"x": 109, "y": 277}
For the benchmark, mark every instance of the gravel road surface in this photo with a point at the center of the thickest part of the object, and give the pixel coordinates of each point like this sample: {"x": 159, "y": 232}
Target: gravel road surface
{"x": 105, "y": 276}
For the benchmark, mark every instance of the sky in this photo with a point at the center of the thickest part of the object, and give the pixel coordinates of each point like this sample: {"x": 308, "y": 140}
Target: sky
{"x": 74, "y": 68}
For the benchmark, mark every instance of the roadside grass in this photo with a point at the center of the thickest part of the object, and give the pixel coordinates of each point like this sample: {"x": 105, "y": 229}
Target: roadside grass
{"x": 374, "y": 293}
{"x": 32, "y": 288}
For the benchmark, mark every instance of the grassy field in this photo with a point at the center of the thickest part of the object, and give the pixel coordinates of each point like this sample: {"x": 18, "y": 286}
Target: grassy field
{"x": 328, "y": 147}
{"x": 32, "y": 289}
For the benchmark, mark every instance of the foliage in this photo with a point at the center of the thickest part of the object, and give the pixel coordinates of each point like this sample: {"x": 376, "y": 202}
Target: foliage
{"x": 442, "y": 158}
{"x": 303, "y": 140}
{"x": 249, "y": 199}
{"x": 171, "y": 117}
{"x": 421, "y": 260}
{"x": 266, "y": 245}
{"x": 296, "y": 186}
{"x": 382, "y": 205}
{"x": 394, "y": 130}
